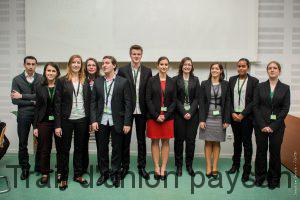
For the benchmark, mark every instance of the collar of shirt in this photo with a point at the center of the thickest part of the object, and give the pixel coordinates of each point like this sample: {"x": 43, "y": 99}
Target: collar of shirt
{"x": 133, "y": 68}
{"x": 27, "y": 75}
{"x": 108, "y": 80}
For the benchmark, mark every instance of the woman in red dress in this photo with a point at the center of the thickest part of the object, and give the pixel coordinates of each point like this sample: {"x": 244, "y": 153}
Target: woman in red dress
{"x": 161, "y": 102}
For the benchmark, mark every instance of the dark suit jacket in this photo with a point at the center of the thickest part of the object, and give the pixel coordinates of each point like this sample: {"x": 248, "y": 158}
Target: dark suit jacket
{"x": 263, "y": 106}
{"x": 251, "y": 85}
{"x": 145, "y": 74}
{"x": 204, "y": 101}
{"x": 40, "y": 110}
{"x": 64, "y": 100}
{"x": 121, "y": 102}
{"x": 194, "y": 89}
{"x": 153, "y": 98}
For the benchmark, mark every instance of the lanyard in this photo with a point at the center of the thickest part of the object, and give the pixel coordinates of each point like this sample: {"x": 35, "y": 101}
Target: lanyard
{"x": 163, "y": 93}
{"x": 76, "y": 93}
{"x": 136, "y": 74}
{"x": 51, "y": 93}
{"x": 186, "y": 91}
{"x": 107, "y": 92}
{"x": 240, "y": 89}
{"x": 216, "y": 94}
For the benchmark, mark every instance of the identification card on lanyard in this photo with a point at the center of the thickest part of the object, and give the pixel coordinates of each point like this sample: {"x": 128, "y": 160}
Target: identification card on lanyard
{"x": 51, "y": 93}
{"x": 107, "y": 110}
{"x": 272, "y": 117}
{"x": 76, "y": 93}
{"x": 216, "y": 111}
{"x": 163, "y": 108}
{"x": 239, "y": 109}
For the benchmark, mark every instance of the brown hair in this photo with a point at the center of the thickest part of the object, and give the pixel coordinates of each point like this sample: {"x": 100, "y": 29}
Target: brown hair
{"x": 113, "y": 60}
{"x": 222, "y": 75}
{"x": 180, "y": 71}
{"x": 81, "y": 72}
{"x": 162, "y": 58}
{"x": 97, "y": 74}
{"x": 276, "y": 63}
{"x": 136, "y": 47}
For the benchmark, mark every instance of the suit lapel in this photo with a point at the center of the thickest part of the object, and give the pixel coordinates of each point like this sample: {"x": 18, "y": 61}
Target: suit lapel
{"x": 223, "y": 90}
{"x": 129, "y": 70}
{"x": 116, "y": 84}
{"x": 208, "y": 90}
{"x": 267, "y": 91}
{"x": 249, "y": 86}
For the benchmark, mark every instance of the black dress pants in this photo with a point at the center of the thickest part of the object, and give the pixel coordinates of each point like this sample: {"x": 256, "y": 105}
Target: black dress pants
{"x": 140, "y": 124}
{"x": 242, "y": 132}
{"x": 79, "y": 127}
{"x": 271, "y": 141}
{"x": 103, "y": 135}
{"x": 185, "y": 131}
{"x": 24, "y": 124}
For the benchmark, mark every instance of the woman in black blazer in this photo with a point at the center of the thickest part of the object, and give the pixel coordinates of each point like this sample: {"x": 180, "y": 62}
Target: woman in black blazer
{"x": 271, "y": 106}
{"x": 92, "y": 71}
{"x": 43, "y": 124}
{"x": 242, "y": 90}
{"x": 186, "y": 115}
{"x": 72, "y": 109}
{"x": 214, "y": 115}
{"x": 161, "y": 102}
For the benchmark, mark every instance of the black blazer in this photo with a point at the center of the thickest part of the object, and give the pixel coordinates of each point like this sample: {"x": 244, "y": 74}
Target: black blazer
{"x": 194, "y": 89}
{"x": 40, "y": 110}
{"x": 153, "y": 98}
{"x": 64, "y": 100}
{"x": 263, "y": 106}
{"x": 121, "y": 102}
{"x": 251, "y": 85}
{"x": 145, "y": 74}
{"x": 204, "y": 101}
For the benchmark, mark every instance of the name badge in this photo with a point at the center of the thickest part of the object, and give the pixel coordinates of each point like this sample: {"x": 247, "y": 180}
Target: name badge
{"x": 216, "y": 113}
{"x": 51, "y": 118}
{"x": 186, "y": 106}
{"x": 164, "y": 109}
{"x": 239, "y": 110}
{"x": 107, "y": 110}
{"x": 273, "y": 117}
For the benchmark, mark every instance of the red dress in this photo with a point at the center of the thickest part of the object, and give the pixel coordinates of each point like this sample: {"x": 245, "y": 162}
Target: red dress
{"x": 156, "y": 130}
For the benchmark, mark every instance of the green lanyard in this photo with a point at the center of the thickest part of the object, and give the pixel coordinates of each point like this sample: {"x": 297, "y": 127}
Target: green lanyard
{"x": 240, "y": 89}
{"x": 51, "y": 93}
{"x": 271, "y": 94}
{"x": 107, "y": 92}
{"x": 186, "y": 91}
{"x": 136, "y": 74}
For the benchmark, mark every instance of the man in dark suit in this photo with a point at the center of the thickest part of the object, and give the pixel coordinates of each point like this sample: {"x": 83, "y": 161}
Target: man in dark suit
{"x": 111, "y": 113}
{"x": 138, "y": 76}
{"x": 23, "y": 95}
{"x": 242, "y": 90}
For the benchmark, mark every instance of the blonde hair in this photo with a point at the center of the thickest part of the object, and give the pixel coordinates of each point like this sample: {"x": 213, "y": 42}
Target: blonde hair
{"x": 276, "y": 63}
{"x": 81, "y": 72}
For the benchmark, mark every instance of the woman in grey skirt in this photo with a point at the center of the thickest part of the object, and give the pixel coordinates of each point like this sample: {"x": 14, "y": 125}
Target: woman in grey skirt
{"x": 214, "y": 115}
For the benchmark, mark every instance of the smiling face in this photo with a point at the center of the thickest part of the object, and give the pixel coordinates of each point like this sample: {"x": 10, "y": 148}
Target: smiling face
{"x": 107, "y": 66}
{"x": 76, "y": 65}
{"x": 187, "y": 67}
{"x": 242, "y": 68}
{"x": 273, "y": 70}
{"x": 91, "y": 67}
{"x": 136, "y": 56}
{"x": 215, "y": 71}
{"x": 30, "y": 65}
{"x": 163, "y": 66}
{"x": 51, "y": 73}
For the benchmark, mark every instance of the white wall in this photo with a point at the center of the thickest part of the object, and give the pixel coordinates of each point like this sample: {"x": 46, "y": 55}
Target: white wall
{"x": 279, "y": 39}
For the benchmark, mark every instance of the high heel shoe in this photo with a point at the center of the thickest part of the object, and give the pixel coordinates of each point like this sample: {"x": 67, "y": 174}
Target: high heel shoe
{"x": 163, "y": 177}
{"x": 63, "y": 185}
{"x": 156, "y": 176}
{"x": 209, "y": 175}
{"x": 215, "y": 174}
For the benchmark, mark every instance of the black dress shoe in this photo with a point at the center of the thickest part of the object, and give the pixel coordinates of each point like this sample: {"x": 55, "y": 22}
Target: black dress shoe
{"x": 190, "y": 171}
{"x": 124, "y": 172}
{"x": 63, "y": 185}
{"x": 245, "y": 177}
{"x": 102, "y": 179}
{"x": 116, "y": 181}
{"x": 164, "y": 177}
{"x": 258, "y": 183}
{"x": 233, "y": 169}
{"x": 156, "y": 176}
{"x": 179, "y": 171}
{"x": 44, "y": 180}
{"x": 144, "y": 174}
{"x": 24, "y": 174}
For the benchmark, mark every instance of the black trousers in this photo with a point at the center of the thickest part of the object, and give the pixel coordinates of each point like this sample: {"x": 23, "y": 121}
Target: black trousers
{"x": 103, "y": 135}
{"x": 140, "y": 124}
{"x": 271, "y": 141}
{"x": 24, "y": 124}
{"x": 46, "y": 132}
{"x": 185, "y": 131}
{"x": 79, "y": 127}
{"x": 85, "y": 156}
{"x": 242, "y": 132}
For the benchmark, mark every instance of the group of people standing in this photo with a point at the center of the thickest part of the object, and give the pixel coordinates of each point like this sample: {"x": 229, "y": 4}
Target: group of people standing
{"x": 83, "y": 102}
